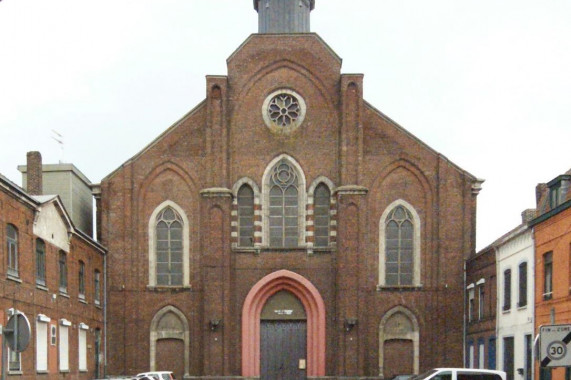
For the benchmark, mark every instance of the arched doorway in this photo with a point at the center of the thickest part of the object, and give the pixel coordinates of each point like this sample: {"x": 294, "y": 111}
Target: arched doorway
{"x": 283, "y": 338}
{"x": 288, "y": 288}
{"x": 398, "y": 343}
{"x": 170, "y": 341}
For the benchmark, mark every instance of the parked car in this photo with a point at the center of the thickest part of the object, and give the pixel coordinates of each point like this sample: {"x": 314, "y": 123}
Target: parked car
{"x": 157, "y": 375}
{"x": 461, "y": 374}
{"x": 402, "y": 377}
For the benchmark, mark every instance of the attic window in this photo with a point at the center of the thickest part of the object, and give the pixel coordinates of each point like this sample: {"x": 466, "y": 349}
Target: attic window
{"x": 554, "y": 192}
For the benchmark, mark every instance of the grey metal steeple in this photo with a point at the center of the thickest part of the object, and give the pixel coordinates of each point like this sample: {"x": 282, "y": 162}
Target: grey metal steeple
{"x": 283, "y": 16}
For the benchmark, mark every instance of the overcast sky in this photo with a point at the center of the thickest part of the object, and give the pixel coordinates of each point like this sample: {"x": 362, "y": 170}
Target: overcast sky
{"x": 487, "y": 83}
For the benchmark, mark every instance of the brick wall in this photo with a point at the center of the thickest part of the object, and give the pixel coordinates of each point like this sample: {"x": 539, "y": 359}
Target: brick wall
{"x": 370, "y": 160}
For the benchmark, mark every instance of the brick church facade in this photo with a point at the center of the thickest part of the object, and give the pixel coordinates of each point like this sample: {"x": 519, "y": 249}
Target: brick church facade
{"x": 285, "y": 228}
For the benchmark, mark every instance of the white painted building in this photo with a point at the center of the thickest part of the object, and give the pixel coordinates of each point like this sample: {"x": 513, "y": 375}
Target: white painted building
{"x": 515, "y": 302}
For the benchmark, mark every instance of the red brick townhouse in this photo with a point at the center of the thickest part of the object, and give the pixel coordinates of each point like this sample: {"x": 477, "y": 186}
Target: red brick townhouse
{"x": 286, "y": 228}
{"x": 552, "y": 233}
{"x": 53, "y": 273}
{"x": 480, "y": 309}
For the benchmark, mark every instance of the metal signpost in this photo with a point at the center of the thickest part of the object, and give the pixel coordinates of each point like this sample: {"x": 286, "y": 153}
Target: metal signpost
{"x": 16, "y": 336}
{"x": 554, "y": 350}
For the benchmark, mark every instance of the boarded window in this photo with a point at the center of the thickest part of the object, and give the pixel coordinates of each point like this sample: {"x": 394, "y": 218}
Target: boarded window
{"x": 63, "y": 348}
{"x": 41, "y": 346}
{"x": 398, "y": 358}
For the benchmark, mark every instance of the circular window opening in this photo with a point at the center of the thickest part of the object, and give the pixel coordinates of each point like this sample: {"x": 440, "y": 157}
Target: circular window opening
{"x": 283, "y": 111}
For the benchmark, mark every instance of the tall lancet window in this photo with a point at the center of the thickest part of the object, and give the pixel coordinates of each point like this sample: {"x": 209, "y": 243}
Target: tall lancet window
{"x": 283, "y": 208}
{"x": 399, "y": 247}
{"x": 322, "y": 204}
{"x": 246, "y": 216}
{"x": 169, "y": 247}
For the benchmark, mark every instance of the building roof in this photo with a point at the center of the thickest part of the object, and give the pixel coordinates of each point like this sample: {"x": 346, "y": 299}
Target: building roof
{"x": 36, "y": 201}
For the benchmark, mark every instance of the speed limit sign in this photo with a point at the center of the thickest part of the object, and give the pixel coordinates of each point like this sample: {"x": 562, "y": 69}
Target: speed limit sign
{"x": 553, "y": 345}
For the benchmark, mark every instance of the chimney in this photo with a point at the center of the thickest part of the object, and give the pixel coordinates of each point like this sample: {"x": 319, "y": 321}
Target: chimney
{"x": 527, "y": 215}
{"x": 34, "y": 181}
{"x": 539, "y": 191}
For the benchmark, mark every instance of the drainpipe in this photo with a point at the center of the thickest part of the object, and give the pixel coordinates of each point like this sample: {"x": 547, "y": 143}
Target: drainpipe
{"x": 498, "y": 301}
{"x": 105, "y": 314}
{"x": 464, "y": 327}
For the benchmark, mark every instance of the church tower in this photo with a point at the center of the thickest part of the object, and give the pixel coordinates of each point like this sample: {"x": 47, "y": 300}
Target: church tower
{"x": 283, "y": 16}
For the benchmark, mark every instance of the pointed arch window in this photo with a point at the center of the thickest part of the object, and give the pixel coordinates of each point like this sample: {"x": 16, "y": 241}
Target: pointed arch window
{"x": 169, "y": 248}
{"x": 322, "y": 205}
{"x": 399, "y": 246}
{"x": 246, "y": 216}
{"x": 283, "y": 205}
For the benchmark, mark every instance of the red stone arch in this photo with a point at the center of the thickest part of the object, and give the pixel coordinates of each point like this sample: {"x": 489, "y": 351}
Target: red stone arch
{"x": 314, "y": 309}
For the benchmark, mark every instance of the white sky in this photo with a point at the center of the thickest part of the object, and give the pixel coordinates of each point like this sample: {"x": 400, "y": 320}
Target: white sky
{"x": 487, "y": 83}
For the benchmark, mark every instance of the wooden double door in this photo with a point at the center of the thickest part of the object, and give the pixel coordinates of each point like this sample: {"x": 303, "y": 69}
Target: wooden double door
{"x": 283, "y": 338}
{"x": 283, "y": 350}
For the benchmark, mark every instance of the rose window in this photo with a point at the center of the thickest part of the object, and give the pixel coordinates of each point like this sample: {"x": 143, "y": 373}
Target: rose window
{"x": 284, "y": 110}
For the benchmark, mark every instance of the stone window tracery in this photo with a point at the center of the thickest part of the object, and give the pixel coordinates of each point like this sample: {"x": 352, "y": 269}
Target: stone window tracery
{"x": 284, "y": 109}
{"x": 399, "y": 246}
{"x": 284, "y": 206}
{"x": 169, "y": 247}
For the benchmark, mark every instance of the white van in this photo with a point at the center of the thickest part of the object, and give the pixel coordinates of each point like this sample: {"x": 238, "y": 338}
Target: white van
{"x": 461, "y": 374}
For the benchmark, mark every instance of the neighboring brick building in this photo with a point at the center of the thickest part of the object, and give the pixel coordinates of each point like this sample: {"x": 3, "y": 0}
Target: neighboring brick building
{"x": 53, "y": 273}
{"x": 552, "y": 233}
{"x": 285, "y": 227}
{"x": 481, "y": 292}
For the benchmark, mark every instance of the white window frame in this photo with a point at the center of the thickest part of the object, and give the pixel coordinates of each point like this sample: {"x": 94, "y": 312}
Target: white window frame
{"x": 152, "y": 230}
{"x": 416, "y": 243}
{"x": 481, "y": 355}
{"x": 471, "y": 302}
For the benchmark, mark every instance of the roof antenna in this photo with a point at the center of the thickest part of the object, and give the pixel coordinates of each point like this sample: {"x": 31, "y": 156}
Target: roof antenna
{"x": 59, "y": 139}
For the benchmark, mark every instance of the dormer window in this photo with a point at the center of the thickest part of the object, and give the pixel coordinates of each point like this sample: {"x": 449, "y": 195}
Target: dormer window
{"x": 558, "y": 189}
{"x": 554, "y": 194}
